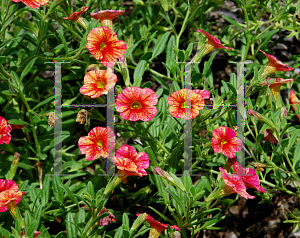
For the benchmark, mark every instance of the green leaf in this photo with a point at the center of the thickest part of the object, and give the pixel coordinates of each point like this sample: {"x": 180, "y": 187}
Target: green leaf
{"x": 57, "y": 190}
{"x": 70, "y": 194}
{"x": 293, "y": 139}
{"x": 208, "y": 63}
{"x": 296, "y": 158}
{"x": 119, "y": 233}
{"x": 125, "y": 222}
{"x": 160, "y": 45}
{"x": 186, "y": 180}
{"x": 162, "y": 82}
{"x": 267, "y": 34}
{"x": 161, "y": 188}
{"x": 32, "y": 227}
{"x": 43, "y": 103}
{"x": 233, "y": 22}
{"x": 17, "y": 122}
{"x": 70, "y": 227}
{"x": 28, "y": 68}
{"x": 168, "y": 20}
{"x": 80, "y": 218}
{"x": 138, "y": 221}
{"x": 138, "y": 73}
{"x": 4, "y": 232}
{"x": 161, "y": 214}
{"x": 177, "y": 199}
{"x": 90, "y": 190}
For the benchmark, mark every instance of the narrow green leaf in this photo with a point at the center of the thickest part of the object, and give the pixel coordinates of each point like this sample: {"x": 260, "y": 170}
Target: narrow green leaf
{"x": 57, "y": 190}
{"x": 70, "y": 194}
{"x": 186, "y": 180}
{"x": 177, "y": 199}
{"x": 233, "y": 22}
{"x": 17, "y": 122}
{"x": 138, "y": 73}
{"x": 28, "y": 68}
{"x": 90, "y": 189}
{"x": 43, "y": 103}
{"x": 125, "y": 222}
{"x": 161, "y": 45}
{"x": 161, "y": 188}
{"x": 168, "y": 20}
{"x": 296, "y": 158}
{"x": 4, "y": 232}
{"x": 70, "y": 227}
{"x": 119, "y": 233}
{"x": 45, "y": 192}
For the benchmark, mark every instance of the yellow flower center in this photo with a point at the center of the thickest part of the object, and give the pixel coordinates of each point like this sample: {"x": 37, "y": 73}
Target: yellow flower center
{"x": 100, "y": 84}
{"x": 100, "y": 143}
{"x": 135, "y": 105}
{"x": 102, "y": 45}
{"x": 223, "y": 142}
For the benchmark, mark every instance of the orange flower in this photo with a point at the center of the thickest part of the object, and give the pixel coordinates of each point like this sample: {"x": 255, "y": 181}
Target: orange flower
{"x": 294, "y": 101}
{"x": 106, "y": 17}
{"x": 77, "y": 16}
{"x": 177, "y": 102}
{"x": 5, "y": 130}
{"x": 274, "y": 65}
{"x": 9, "y": 196}
{"x": 226, "y": 141}
{"x": 33, "y": 3}
{"x": 156, "y": 227}
{"x": 212, "y": 43}
{"x": 130, "y": 162}
{"x": 98, "y": 82}
{"x": 104, "y": 45}
{"x": 248, "y": 175}
{"x": 95, "y": 144}
{"x": 234, "y": 184}
{"x": 275, "y": 87}
{"x": 136, "y": 104}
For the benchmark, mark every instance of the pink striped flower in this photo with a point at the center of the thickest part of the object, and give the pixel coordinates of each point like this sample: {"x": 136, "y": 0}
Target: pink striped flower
{"x": 9, "y": 195}
{"x": 33, "y": 3}
{"x": 156, "y": 227}
{"x": 98, "y": 142}
{"x": 98, "y": 82}
{"x": 104, "y": 45}
{"x": 106, "y": 17}
{"x": 136, "y": 104}
{"x": 248, "y": 175}
{"x": 274, "y": 65}
{"x": 178, "y": 108}
{"x": 226, "y": 141}
{"x": 5, "y": 130}
{"x": 212, "y": 43}
{"x": 234, "y": 184}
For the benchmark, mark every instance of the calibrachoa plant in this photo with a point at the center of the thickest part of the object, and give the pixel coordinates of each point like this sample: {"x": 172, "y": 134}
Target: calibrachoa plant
{"x": 72, "y": 169}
